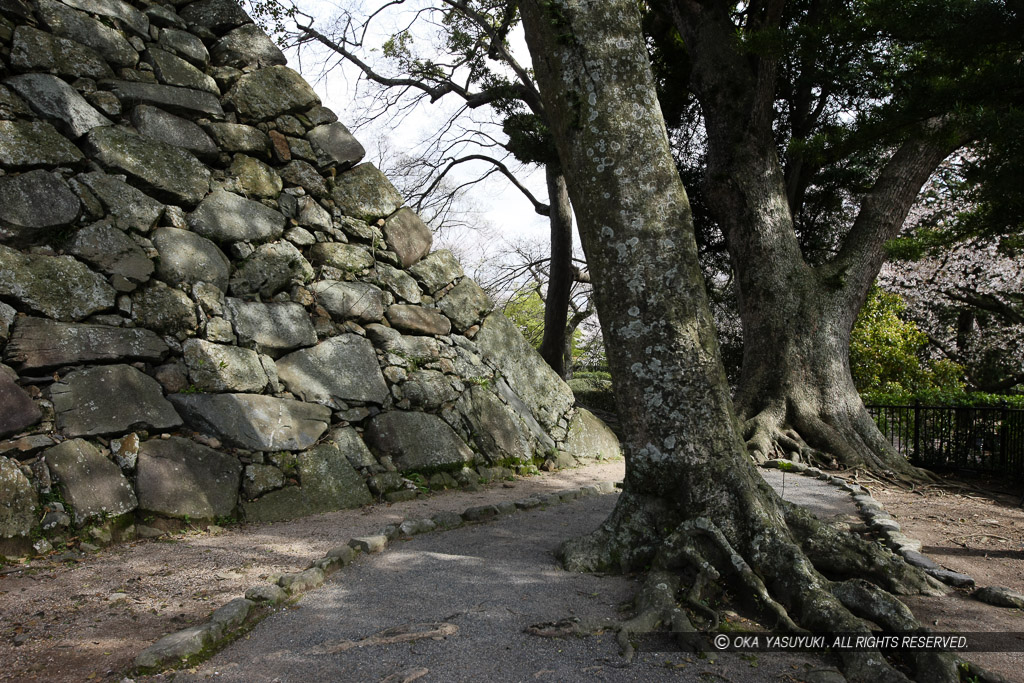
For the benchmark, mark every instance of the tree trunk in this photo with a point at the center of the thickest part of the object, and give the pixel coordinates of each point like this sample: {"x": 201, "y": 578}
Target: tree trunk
{"x": 693, "y": 508}
{"x": 796, "y": 393}
{"x": 560, "y": 273}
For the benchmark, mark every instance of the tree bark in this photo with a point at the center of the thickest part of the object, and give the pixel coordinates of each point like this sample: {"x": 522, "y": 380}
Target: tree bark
{"x": 796, "y": 394}
{"x": 693, "y": 508}
{"x": 560, "y": 274}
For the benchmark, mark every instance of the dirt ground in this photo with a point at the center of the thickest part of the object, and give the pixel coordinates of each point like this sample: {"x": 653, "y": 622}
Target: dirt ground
{"x": 87, "y": 620}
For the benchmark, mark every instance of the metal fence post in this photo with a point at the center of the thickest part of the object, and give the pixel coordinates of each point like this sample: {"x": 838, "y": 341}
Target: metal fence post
{"x": 917, "y": 431}
{"x": 1004, "y": 434}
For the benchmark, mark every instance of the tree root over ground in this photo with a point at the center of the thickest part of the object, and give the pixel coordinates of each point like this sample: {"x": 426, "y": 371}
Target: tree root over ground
{"x": 800, "y": 575}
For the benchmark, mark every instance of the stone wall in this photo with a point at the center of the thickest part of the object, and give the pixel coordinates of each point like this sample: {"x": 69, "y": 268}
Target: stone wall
{"x": 210, "y": 308}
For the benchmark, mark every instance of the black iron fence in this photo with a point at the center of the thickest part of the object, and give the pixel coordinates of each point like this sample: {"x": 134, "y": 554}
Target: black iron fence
{"x": 989, "y": 439}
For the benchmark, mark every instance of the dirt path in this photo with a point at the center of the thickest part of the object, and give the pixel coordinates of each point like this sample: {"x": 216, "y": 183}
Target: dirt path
{"x": 88, "y": 620}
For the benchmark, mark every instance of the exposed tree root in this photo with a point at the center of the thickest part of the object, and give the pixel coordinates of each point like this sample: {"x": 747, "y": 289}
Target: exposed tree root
{"x": 799, "y": 575}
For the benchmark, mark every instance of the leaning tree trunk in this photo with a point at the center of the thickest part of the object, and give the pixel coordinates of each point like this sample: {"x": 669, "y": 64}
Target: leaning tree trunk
{"x": 796, "y": 393}
{"x": 693, "y": 508}
{"x": 560, "y": 274}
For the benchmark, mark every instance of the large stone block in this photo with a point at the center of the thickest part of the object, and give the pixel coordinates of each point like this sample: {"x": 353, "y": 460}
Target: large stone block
{"x": 399, "y": 283}
{"x": 163, "y": 309}
{"x": 56, "y": 286}
{"x": 130, "y": 208}
{"x": 160, "y": 125}
{"x": 185, "y": 101}
{"x": 34, "y": 144}
{"x": 335, "y": 146}
{"x": 407, "y": 236}
{"x": 53, "y": 98}
{"x": 254, "y": 178}
{"x": 465, "y": 305}
{"x": 428, "y": 390}
{"x": 39, "y": 344}
{"x": 234, "y": 137}
{"x": 417, "y": 442}
{"x": 186, "y": 45}
{"x": 181, "y": 478}
{"x": 437, "y": 271}
{"x": 346, "y": 257}
{"x": 364, "y": 193}
{"x": 112, "y": 399}
{"x": 259, "y": 423}
{"x": 493, "y": 426}
{"x": 167, "y": 172}
{"x": 218, "y": 367}
{"x": 273, "y": 329}
{"x": 81, "y": 28}
{"x": 189, "y": 258}
{"x": 328, "y": 482}
{"x": 217, "y": 15}
{"x": 34, "y": 207}
{"x": 418, "y": 320}
{"x": 268, "y": 93}
{"x": 247, "y": 46}
{"x": 270, "y": 269}
{"x": 35, "y": 50}
{"x": 349, "y": 300}
{"x": 339, "y": 369}
{"x": 17, "y": 409}
{"x": 132, "y": 19}
{"x": 110, "y": 251}
{"x": 227, "y": 217}
{"x": 92, "y": 485}
{"x": 540, "y": 387}
{"x": 18, "y": 500}
{"x": 589, "y": 437}
{"x": 173, "y": 70}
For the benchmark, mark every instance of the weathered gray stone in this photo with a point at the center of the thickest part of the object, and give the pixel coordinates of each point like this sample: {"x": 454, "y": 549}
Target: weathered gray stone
{"x": 260, "y": 479}
{"x": 185, "y": 45}
{"x": 133, "y": 19}
{"x": 415, "y": 348}
{"x": 18, "y": 499}
{"x": 185, "y": 101}
{"x": 335, "y": 146}
{"x": 951, "y": 578}
{"x": 246, "y": 46}
{"x": 227, "y": 217}
{"x": 303, "y": 174}
{"x": 178, "y": 645}
{"x": 479, "y": 513}
{"x": 999, "y": 596}
{"x": 38, "y": 344}
{"x": 399, "y": 283}
{"x": 217, "y": 15}
{"x": 270, "y": 593}
{"x": 347, "y": 257}
{"x": 130, "y": 208}
{"x": 418, "y": 320}
{"x": 81, "y": 28}
{"x": 233, "y": 614}
{"x": 12, "y": 106}
{"x": 493, "y": 426}
{"x": 312, "y": 215}
{"x": 157, "y": 124}
{"x": 34, "y": 206}
{"x": 364, "y": 193}
{"x": 54, "y": 99}
{"x": 349, "y": 300}
{"x": 57, "y": 286}
{"x": 407, "y": 236}
{"x": 300, "y": 582}
{"x": 328, "y": 481}
{"x": 110, "y": 251}
{"x": 17, "y": 409}
{"x": 163, "y": 309}
{"x": 32, "y": 144}
{"x": 273, "y": 329}
{"x": 91, "y": 485}
{"x": 915, "y": 558}
{"x": 111, "y": 399}
{"x": 348, "y": 442}
{"x": 465, "y": 305}
{"x": 260, "y": 423}
{"x": 173, "y": 70}
{"x": 267, "y": 93}
{"x": 254, "y": 178}
{"x": 35, "y": 50}
{"x": 589, "y": 437}
{"x": 417, "y": 442}
{"x": 530, "y": 377}
{"x": 190, "y": 258}
{"x": 428, "y": 390}
{"x": 164, "y": 16}
{"x": 437, "y": 271}
{"x": 271, "y": 268}
{"x": 217, "y": 367}
{"x": 234, "y": 137}
{"x": 7, "y": 315}
{"x": 168, "y": 172}
{"x": 339, "y": 369}
{"x": 543, "y": 441}
{"x": 180, "y": 478}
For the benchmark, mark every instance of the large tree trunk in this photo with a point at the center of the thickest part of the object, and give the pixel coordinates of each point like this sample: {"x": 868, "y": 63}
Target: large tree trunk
{"x": 693, "y": 508}
{"x": 796, "y": 393}
{"x": 560, "y": 274}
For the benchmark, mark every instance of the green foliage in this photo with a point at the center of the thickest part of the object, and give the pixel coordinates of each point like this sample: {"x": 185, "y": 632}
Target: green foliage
{"x": 526, "y": 311}
{"x": 944, "y": 397}
{"x": 594, "y": 390}
{"x": 887, "y": 352}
